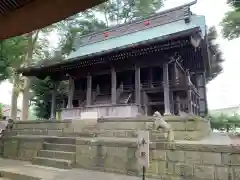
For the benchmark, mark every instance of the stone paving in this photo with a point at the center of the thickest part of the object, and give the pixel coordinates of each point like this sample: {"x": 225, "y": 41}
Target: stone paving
{"x": 48, "y": 173}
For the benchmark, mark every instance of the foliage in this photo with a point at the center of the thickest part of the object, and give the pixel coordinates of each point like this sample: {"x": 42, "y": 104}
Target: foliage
{"x": 118, "y": 12}
{"x": 42, "y": 96}
{"x": 225, "y": 122}
{"x": 1, "y": 111}
{"x": 216, "y": 58}
{"x": 231, "y": 21}
{"x": 11, "y": 54}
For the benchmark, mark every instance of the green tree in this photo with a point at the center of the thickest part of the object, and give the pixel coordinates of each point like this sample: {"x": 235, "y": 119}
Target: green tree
{"x": 35, "y": 44}
{"x": 231, "y": 21}
{"x": 216, "y": 58}
{"x": 225, "y": 122}
{"x": 11, "y": 53}
{"x": 1, "y": 111}
{"x": 42, "y": 96}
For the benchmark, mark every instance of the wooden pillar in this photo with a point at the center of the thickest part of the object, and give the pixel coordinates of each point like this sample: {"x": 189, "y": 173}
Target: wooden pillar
{"x": 167, "y": 110}
{"x": 172, "y": 104}
{"x": 137, "y": 86}
{"x": 189, "y": 94}
{"x": 70, "y": 92}
{"x": 89, "y": 90}
{"x": 178, "y": 105}
{"x": 53, "y": 104}
{"x": 150, "y": 77}
{"x": 175, "y": 73}
{"x": 201, "y": 86}
{"x": 114, "y": 86}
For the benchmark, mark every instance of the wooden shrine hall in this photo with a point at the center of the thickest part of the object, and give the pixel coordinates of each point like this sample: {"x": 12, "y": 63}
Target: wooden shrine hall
{"x": 153, "y": 64}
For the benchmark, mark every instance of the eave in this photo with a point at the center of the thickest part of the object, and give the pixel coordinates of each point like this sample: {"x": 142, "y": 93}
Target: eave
{"x": 97, "y": 57}
{"x": 18, "y": 17}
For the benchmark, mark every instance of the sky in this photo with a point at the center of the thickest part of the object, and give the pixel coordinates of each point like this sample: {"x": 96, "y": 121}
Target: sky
{"x": 223, "y": 91}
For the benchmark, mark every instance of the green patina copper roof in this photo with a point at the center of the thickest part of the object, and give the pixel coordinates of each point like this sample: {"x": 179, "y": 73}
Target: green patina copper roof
{"x": 141, "y": 36}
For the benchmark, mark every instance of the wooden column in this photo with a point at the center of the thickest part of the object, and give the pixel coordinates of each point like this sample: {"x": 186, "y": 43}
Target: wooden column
{"x": 70, "y": 92}
{"x": 150, "y": 77}
{"x": 114, "y": 86}
{"x": 189, "y": 94}
{"x": 137, "y": 86}
{"x": 178, "y": 105}
{"x": 166, "y": 90}
{"x": 201, "y": 86}
{"x": 53, "y": 104}
{"x": 174, "y": 73}
{"x": 172, "y": 105}
{"x": 89, "y": 90}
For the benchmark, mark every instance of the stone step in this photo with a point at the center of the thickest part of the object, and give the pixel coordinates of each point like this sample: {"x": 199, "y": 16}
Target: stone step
{"x": 51, "y": 162}
{"x": 154, "y": 135}
{"x": 57, "y": 154}
{"x": 59, "y": 147}
{"x": 8, "y": 175}
{"x": 60, "y": 140}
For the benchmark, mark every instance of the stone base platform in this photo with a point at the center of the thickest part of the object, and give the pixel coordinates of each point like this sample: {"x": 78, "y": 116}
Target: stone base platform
{"x": 110, "y": 145}
{"x": 191, "y": 128}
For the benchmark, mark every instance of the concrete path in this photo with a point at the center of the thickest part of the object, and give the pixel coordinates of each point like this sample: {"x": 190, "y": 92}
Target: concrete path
{"x": 48, "y": 173}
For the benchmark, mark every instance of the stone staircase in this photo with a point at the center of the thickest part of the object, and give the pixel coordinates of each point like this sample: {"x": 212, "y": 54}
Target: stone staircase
{"x": 124, "y": 98}
{"x": 9, "y": 175}
{"x": 59, "y": 152}
{"x": 102, "y": 99}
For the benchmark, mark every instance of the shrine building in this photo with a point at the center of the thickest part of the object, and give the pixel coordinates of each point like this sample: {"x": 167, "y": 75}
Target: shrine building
{"x": 155, "y": 64}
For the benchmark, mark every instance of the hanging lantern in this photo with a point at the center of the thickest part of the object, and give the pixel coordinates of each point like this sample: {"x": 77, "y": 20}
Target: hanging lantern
{"x": 105, "y": 34}
{"x": 195, "y": 40}
{"x": 146, "y": 22}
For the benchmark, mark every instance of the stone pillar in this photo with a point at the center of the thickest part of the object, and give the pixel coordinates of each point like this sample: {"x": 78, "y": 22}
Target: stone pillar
{"x": 53, "y": 104}
{"x": 189, "y": 94}
{"x": 166, "y": 90}
{"x": 114, "y": 86}
{"x": 70, "y": 92}
{"x": 137, "y": 86}
{"x": 89, "y": 90}
{"x": 201, "y": 86}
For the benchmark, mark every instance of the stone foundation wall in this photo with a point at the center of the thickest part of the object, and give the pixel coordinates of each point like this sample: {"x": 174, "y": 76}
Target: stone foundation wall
{"x": 184, "y": 129}
{"x": 21, "y": 148}
{"x": 168, "y": 161}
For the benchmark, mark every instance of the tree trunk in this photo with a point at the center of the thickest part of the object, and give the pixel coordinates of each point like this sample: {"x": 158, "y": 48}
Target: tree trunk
{"x": 14, "y": 98}
{"x": 26, "y": 98}
{"x": 32, "y": 39}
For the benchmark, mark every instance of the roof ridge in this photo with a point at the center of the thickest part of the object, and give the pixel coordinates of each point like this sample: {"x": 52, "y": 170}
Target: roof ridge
{"x": 77, "y": 39}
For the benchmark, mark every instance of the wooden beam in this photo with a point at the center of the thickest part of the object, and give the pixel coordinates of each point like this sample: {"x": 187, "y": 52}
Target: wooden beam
{"x": 40, "y": 13}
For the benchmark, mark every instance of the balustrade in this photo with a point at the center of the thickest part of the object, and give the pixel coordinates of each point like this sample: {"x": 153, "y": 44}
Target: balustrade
{"x": 101, "y": 110}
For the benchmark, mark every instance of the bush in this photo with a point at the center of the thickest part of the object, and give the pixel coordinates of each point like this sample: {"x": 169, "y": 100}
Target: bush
{"x": 225, "y": 122}
{"x": 1, "y": 112}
